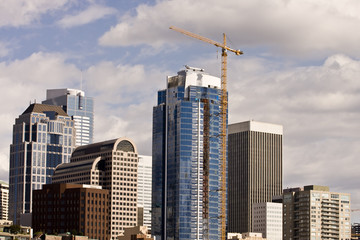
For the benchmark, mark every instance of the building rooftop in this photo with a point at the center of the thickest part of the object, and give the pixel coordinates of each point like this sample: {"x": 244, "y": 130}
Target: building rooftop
{"x": 123, "y": 145}
{"x": 316, "y": 188}
{"x": 53, "y": 93}
{"x": 255, "y": 126}
{"x": 43, "y": 108}
{"x": 194, "y": 77}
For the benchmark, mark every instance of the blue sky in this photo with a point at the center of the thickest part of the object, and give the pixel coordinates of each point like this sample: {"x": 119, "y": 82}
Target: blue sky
{"x": 301, "y": 69}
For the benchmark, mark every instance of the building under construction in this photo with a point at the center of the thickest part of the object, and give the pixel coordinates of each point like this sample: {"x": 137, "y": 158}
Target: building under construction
{"x": 186, "y": 200}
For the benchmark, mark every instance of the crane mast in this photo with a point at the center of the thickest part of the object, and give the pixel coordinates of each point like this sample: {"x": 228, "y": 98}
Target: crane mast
{"x": 224, "y": 107}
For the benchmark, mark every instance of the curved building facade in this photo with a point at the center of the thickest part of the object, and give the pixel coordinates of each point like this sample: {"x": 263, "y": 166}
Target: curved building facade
{"x": 112, "y": 165}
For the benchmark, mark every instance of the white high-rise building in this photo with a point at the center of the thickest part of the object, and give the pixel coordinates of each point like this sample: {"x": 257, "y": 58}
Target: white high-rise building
{"x": 267, "y": 219}
{"x": 144, "y": 188}
{"x": 4, "y": 200}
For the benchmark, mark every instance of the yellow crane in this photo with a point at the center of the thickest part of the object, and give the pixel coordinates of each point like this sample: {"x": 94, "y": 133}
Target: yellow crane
{"x": 224, "y": 104}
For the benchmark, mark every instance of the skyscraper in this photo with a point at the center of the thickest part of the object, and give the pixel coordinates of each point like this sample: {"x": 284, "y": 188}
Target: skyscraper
{"x": 315, "y": 213}
{"x": 186, "y": 157}
{"x": 79, "y": 107}
{"x": 144, "y": 188}
{"x": 112, "y": 165}
{"x": 254, "y": 170}
{"x": 43, "y": 137}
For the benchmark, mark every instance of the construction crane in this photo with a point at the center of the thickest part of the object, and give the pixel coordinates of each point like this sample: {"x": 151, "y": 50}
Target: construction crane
{"x": 224, "y": 106}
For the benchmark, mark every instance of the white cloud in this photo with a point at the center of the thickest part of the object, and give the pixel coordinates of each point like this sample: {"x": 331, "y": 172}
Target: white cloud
{"x": 4, "y": 49}
{"x": 124, "y": 97}
{"x": 91, "y": 14}
{"x": 24, "y": 12}
{"x": 23, "y": 81}
{"x": 304, "y": 27}
{"x": 319, "y": 109}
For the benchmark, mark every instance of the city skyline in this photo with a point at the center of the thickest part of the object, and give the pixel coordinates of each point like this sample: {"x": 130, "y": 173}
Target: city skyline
{"x": 299, "y": 69}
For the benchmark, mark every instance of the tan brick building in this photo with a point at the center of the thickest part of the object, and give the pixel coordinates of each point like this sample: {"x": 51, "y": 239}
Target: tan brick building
{"x": 113, "y": 165}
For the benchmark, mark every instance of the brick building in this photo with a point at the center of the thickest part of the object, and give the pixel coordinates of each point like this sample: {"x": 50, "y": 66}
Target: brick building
{"x": 60, "y": 208}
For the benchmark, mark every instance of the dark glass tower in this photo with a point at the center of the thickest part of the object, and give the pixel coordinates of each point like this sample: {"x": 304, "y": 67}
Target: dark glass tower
{"x": 186, "y": 157}
{"x": 79, "y": 107}
{"x": 43, "y": 137}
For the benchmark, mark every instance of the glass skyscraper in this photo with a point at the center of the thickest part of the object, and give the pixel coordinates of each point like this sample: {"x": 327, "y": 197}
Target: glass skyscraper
{"x": 43, "y": 137}
{"x": 79, "y": 107}
{"x": 186, "y": 157}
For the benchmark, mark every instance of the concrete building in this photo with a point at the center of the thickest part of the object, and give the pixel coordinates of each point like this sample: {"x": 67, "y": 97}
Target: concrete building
{"x": 144, "y": 190}
{"x": 187, "y": 158}
{"x": 316, "y": 213}
{"x": 136, "y": 233}
{"x": 79, "y": 107}
{"x": 246, "y": 236}
{"x": 61, "y": 208}
{"x": 43, "y": 137}
{"x": 4, "y": 200}
{"x": 355, "y": 231}
{"x": 112, "y": 165}
{"x": 7, "y": 232}
{"x": 254, "y": 169}
{"x": 267, "y": 219}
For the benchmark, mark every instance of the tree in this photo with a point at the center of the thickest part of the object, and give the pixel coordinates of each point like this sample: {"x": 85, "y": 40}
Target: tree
{"x": 15, "y": 229}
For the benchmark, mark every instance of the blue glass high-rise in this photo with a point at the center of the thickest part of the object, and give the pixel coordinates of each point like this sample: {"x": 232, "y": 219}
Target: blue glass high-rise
{"x": 186, "y": 157}
{"x": 79, "y": 107}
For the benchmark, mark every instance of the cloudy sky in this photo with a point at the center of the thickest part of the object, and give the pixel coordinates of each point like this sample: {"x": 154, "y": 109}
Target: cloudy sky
{"x": 301, "y": 69}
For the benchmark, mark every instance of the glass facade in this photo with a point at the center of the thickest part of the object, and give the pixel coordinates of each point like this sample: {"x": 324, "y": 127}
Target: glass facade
{"x": 186, "y": 158}
{"x": 79, "y": 107}
{"x": 43, "y": 137}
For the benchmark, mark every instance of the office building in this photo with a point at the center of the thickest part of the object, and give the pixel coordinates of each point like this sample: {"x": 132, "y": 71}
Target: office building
{"x": 267, "y": 219}
{"x": 144, "y": 190}
{"x": 254, "y": 170}
{"x": 187, "y": 158}
{"x": 113, "y": 166}
{"x": 79, "y": 107}
{"x": 61, "y": 208}
{"x": 4, "y": 200}
{"x": 316, "y": 213}
{"x": 43, "y": 137}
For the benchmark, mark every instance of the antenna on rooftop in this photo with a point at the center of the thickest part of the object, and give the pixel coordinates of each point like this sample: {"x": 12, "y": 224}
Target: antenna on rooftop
{"x": 81, "y": 81}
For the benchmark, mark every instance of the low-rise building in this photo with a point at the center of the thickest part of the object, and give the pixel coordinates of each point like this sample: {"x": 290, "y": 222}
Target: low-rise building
{"x": 136, "y": 233}
{"x": 267, "y": 219}
{"x": 246, "y": 236}
{"x": 8, "y": 231}
{"x": 81, "y": 209}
